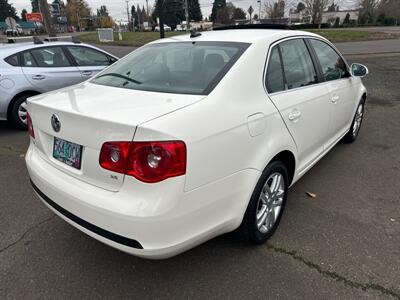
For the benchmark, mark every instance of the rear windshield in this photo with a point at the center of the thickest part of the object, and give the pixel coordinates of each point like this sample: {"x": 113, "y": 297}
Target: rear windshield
{"x": 178, "y": 67}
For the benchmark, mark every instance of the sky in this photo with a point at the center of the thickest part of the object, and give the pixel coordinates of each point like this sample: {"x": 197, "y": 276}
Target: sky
{"x": 117, "y": 8}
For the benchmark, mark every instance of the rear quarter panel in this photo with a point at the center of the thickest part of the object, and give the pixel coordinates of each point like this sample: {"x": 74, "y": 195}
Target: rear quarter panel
{"x": 216, "y": 131}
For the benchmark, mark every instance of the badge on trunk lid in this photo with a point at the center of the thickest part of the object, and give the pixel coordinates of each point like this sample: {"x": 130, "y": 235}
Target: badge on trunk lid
{"x": 55, "y": 123}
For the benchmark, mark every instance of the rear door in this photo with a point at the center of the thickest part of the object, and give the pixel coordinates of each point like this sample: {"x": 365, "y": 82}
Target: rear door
{"x": 89, "y": 61}
{"x": 292, "y": 83}
{"x": 343, "y": 94}
{"x": 48, "y": 68}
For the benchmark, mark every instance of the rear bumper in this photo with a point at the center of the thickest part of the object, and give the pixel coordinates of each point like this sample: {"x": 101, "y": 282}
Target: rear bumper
{"x": 147, "y": 220}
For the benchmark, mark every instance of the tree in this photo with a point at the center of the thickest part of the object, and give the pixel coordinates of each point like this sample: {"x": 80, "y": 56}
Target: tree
{"x": 194, "y": 10}
{"x": 300, "y": 7}
{"x": 275, "y": 9}
{"x": 346, "y": 21}
{"x": 332, "y": 7}
{"x": 35, "y": 6}
{"x": 225, "y": 14}
{"x": 23, "y": 14}
{"x": 368, "y": 11}
{"x": 103, "y": 11}
{"x": 337, "y": 22}
{"x": 390, "y": 9}
{"x": 172, "y": 12}
{"x": 217, "y": 5}
{"x": 144, "y": 14}
{"x": 7, "y": 10}
{"x": 250, "y": 10}
{"x": 316, "y": 8}
{"x": 139, "y": 17}
{"x": 239, "y": 14}
{"x": 134, "y": 15}
{"x": 78, "y": 13}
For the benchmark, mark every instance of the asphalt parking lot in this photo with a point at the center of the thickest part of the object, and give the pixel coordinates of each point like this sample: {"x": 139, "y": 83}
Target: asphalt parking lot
{"x": 345, "y": 243}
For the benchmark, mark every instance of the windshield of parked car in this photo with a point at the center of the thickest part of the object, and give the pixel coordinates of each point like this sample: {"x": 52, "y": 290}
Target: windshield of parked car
{"x": 178, "y": 67}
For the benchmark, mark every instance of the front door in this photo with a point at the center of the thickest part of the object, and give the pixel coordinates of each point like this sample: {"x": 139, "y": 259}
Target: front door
{"x": 89, "y": 61}
{"x": 339, "y": 83}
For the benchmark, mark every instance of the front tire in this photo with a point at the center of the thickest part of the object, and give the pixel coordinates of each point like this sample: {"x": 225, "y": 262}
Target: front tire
{"x": 266, "y": 205}
{"x": 355, "y": 127}
{"x": 18, "y": 112}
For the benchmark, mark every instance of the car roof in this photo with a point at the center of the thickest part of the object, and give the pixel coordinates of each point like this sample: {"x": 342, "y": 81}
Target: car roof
{"x": 9, "y": 49}
{"x": 239, "y": 35}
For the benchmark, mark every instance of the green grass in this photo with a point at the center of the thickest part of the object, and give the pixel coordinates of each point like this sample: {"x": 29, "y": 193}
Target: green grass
{"x": 337, "y": 35}
{"x": 135, "y": 39}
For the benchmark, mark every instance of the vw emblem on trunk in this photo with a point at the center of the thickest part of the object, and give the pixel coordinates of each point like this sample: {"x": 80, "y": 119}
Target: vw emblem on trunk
{"x": 55, "y": 123}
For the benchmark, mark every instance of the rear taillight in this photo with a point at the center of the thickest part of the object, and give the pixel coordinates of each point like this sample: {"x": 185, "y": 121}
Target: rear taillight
{"x": 29, "y": 125}
{"x": 147, "y": 161}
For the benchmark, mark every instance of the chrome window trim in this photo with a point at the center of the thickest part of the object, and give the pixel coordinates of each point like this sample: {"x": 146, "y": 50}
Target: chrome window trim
{"x": 277, "y": 42}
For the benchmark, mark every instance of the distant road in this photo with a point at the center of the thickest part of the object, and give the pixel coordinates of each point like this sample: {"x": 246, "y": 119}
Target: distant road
{"x": 348, "y": 48}
{"x": 367, "y": 47}
{"x": 386, "y": 29}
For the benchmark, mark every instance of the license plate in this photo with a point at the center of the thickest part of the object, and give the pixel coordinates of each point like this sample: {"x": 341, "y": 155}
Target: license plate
{"x": 67, "y": 152}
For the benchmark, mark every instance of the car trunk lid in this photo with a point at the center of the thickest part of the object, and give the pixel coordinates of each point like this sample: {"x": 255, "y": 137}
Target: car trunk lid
{"x": 90, "y": 115}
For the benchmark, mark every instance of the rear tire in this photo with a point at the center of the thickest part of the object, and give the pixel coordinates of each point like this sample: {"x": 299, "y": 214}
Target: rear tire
{"x": 17, "y": 114}
{"x": 355, "y": 127}
{"x": 266, "y": 205}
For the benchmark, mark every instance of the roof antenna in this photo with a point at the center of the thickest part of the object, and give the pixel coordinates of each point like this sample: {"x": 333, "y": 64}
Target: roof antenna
{"x": 194, "y": 33}
{"x": 37, "y": 41}
{"x": 76, "y": 40}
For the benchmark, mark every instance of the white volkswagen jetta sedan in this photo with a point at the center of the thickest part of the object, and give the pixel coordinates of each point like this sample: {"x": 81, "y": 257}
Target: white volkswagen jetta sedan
{"x": 191, "y": 137}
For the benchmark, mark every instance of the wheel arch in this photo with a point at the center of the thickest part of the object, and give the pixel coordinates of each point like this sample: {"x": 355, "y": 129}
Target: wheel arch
{"x": 24, "y": 93}
{"x": 289, "y": 160}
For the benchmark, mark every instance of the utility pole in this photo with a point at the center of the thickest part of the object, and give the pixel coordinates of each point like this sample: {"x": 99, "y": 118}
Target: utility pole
{"x": 127, "y": 12}
{"x": 187, "y": 15}
{"x": 44, "y": 9}
{"x": 161, "y": 20}
{"x": 147, "y": 4}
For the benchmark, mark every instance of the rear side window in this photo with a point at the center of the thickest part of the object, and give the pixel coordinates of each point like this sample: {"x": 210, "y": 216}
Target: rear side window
{"x": 274, "y": 79}
{"x": 27, "y": 60}
{"x": 88, "y": 57}
{"x": 50, "y": 57}
{"x": 333, "y": 66}
{"x": 297, "y": 64}
{"x": 12, "y": 60}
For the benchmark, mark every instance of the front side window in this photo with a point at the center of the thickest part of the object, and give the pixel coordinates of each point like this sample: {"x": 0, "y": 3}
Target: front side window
{"x": 297, "y": 64}
{"x": 333, "y": 66}
{"x": 84, "y": 56}
{"x": 274, "y": 78}
{"x": 50, "y": 57}
{"x": 179, "y": 67}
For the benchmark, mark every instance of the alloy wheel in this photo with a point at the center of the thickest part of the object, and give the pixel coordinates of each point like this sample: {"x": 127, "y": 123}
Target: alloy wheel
{"x": 22, "y": 112}
{"x": 358, "y": 119}
{"x": 270, "y": 202}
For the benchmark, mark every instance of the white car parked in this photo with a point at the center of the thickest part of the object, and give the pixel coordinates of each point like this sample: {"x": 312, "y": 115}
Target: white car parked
{"x": 32, "y": 68}
{"x": 191, "y": 137}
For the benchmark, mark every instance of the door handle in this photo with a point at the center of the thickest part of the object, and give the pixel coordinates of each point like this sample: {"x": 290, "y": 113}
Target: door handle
{"x": 87, "y": 73}
{"x": 38, "y": 77}
{"x": 294, "y": 115}
{"x": 335, "y": 99}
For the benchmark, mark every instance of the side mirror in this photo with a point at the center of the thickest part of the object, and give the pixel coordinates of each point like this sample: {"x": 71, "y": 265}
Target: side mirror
{"x": 359, "y": 70}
